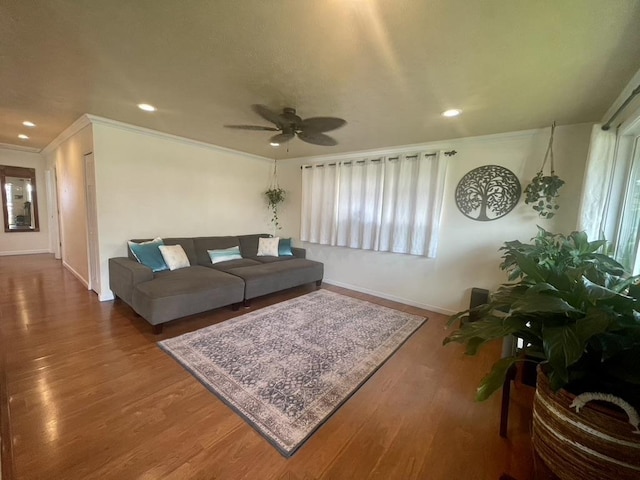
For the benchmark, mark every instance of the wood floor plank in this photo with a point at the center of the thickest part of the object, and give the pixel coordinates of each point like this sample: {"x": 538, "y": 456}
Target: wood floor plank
{"x": 89, "y": 395}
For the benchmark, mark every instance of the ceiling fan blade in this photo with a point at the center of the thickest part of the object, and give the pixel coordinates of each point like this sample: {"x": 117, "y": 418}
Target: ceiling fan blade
{"x": 253, "y": 127}
{"x": 317, "y": 139}
{"x": 282, "y": 138}
{"x": 268, "y": 114}
{"x": 322, "y": 124}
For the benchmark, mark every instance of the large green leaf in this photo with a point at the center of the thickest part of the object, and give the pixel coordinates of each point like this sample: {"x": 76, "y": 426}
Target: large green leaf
{"x": 495, "y": 378}
{"x": 541, "y": 287}
{"x": 539, "y": 303}
{"x": 474, "y": 344}
{"x": 580, "y": 241}
{"x": 597, "y": 292}
{"x": 595, "y": 322}
{"x": 558, "y": 378}
{"x": 488, "y": 328}
{"x": 529, "y": 267}
{"x": 460, "y": 316}
{"x": 562, "y": 346}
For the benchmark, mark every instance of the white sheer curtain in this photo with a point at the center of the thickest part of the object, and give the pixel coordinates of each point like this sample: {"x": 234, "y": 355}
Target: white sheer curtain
{"x": 597, "y": 185}
{"x": 319, "y": 191}
{"x": 391, "y": 204}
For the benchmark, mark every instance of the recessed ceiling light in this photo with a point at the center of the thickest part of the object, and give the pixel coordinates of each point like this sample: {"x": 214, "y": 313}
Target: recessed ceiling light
{"x": 454, "y": 112}
{"x": 29, "y": 124}
{"x": 274, "y": 144}
{"x": 22, "y": 136}
{"x": 146, "y": 107}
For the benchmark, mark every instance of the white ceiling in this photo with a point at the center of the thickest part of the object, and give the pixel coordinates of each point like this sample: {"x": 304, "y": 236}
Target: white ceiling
{"x": 389, "y": 67}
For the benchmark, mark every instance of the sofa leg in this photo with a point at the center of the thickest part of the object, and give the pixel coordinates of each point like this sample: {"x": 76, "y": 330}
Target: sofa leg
{"x": 246, "y": 303}
{"x": 157, "y": 329}
{"x": 235, "y": 307}
{"x": 318, "y": 283}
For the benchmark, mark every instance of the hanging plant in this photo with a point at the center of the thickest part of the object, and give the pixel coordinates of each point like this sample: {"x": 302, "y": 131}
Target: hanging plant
{"x": 542, "y": 192}
{"x": 275, "y": 196}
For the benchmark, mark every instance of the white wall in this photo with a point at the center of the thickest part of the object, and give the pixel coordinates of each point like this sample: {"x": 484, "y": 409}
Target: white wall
{"x": 16, "y": 243}
{"x": 67, "y": 157}
{"x": 468, "y": 250}
{"x": 150, "y": 184}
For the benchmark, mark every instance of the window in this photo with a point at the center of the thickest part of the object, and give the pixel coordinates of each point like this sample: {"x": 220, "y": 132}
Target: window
{"x": 391, "y": 203}
{"x": 627, "y": 250}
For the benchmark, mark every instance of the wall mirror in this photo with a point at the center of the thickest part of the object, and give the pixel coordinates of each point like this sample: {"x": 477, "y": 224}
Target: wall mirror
{"x": 19, "y": 201}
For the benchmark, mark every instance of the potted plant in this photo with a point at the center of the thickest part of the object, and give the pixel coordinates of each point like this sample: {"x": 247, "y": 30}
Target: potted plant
{"x": 579, "y": 312}
{"x": 542, "y": 191}
{"x": 542, "y": 194}
{"x": 275, "y": 196}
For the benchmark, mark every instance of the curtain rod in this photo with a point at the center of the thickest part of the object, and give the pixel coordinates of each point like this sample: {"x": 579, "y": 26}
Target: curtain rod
{"x": 450, "y": 153}
{"x": 607, "y": 125}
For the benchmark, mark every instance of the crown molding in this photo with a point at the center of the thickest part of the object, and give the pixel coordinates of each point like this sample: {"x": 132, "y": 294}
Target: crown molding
{"x": 19, "y": 148}
{"x": 454, "y": 143}
{"x": 168, "y": 136}
{"x": 71, "y": 130}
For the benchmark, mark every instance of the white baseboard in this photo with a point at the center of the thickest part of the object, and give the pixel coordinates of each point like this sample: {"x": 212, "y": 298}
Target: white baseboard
{"x": 76, "y": 274}
{"x": 106, "y": 297}
{"x": 386, "y": 296}
{"x": 24, "y": 252}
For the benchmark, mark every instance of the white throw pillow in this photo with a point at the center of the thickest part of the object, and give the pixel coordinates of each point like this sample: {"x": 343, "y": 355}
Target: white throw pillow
{"x": 268, "y": 247}
{"x": 174, "y": 256}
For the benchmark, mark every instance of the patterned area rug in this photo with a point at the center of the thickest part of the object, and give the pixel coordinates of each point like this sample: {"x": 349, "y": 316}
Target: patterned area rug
{"x": 287, "y": 367}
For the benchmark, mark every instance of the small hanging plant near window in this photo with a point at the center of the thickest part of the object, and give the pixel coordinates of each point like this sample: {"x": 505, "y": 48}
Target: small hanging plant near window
{"x": 542, "y": 192}
{"x": 275, "y": 196}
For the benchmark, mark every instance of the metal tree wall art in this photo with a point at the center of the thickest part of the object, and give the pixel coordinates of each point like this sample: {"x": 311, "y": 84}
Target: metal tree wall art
{"x": 487, "y": 193}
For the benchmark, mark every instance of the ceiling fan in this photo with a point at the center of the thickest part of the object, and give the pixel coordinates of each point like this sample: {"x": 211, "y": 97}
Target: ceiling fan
{"x": 310, "y": 130}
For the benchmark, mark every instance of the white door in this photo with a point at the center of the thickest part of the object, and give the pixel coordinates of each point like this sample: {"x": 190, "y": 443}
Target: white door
{"x": 92, "y": 223}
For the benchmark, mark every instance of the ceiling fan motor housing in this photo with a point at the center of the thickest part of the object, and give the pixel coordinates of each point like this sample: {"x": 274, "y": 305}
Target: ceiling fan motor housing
{"x": 293, "y": 120}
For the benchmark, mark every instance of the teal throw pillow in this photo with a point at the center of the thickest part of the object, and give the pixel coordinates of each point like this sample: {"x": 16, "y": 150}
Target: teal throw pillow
{"x": 148, "y": 254}
{"x": 284, "y": 248}
{"x": 225, "y": 254}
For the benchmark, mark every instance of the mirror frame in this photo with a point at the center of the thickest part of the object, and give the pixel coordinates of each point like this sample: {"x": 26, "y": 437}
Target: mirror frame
{"x": 30, "y": 173}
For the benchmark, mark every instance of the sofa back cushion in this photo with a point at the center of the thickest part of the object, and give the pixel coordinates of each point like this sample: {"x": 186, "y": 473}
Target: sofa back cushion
{"x": 249, "y": 244}
{"x": 202, "y": 244}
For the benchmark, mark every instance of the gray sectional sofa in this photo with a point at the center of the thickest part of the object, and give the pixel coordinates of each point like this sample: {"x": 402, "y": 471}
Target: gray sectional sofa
{"x": 167, "y": 295}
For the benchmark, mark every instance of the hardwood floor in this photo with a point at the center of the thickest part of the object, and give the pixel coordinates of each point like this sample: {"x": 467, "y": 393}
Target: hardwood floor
{"x": 91, "y": 396}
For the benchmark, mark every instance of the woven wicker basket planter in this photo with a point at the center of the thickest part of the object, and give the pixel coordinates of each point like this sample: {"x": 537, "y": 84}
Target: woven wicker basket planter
{"x": 596, "y": 444}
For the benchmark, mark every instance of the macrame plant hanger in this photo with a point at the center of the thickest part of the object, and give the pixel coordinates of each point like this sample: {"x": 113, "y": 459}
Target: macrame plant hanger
{"x": 549, "y": 153}
{"x": 274, "y": 176}
{"x": 275, "y": 196}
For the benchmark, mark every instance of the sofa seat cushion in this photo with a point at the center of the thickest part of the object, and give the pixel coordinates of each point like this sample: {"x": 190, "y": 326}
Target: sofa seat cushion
{"x": 271, "y": 259}
{"x": 229, "y": 264}
{"x": 275, "y": 276}
{"x": 178, "y": 293}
